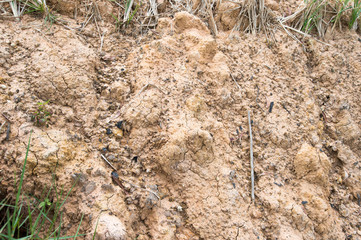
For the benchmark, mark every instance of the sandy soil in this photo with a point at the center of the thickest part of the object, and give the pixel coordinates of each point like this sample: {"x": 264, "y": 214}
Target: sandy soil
{"x": 168, "y": 109}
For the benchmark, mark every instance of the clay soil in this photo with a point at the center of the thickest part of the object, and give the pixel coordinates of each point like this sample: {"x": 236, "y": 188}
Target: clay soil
{"x": 167, "y": 105}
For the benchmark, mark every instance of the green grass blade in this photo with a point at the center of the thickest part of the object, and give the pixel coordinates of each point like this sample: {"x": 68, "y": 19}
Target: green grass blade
{"x": 68, "y": 237}
{"x": 58, "y": 228}
{"x": 77, "y": 231}
{"x": 7, "y": 224}
{"x": 96, "y": 227}
{"x": 21, "y": 179}
{"x": 67, "y": 195}
{"x": 10, "y": 234}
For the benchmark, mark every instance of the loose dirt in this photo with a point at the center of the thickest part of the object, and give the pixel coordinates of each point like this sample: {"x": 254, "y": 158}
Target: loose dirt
{"x": 168, "y": 108}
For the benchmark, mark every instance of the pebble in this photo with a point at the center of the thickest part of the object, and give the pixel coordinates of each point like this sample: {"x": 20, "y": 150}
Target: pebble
{"x": 118, "y": 133}
{"x": 110, "y": 227}
{"x": 90, "y": 187}
{"x": 99, "y": 172}
{"x": 119, "y": 124}
{"x": 3, "y": 86}
{"x": 108, "y": 187}
{"x": 109, "y": 131}
{"x": 344, "y": 211}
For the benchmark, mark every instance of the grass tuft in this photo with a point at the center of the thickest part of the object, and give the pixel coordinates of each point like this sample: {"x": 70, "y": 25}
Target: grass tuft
{"x": 128, "y": 15}
{"x": 355, "y": 14}
{"x": 317, "y": 16}
{"x": 32, "y": 218}
{"x": 40, "y": 7}
{"x": 16, "y": 9}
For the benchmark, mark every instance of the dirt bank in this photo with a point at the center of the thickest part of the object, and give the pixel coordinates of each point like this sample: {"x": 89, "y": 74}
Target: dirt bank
{"x": 169, "y": 110}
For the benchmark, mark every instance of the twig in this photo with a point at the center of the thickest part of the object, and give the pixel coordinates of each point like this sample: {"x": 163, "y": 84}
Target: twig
{"x": 235, "y": 81}
{"x": 101, "y": 42}
{"x": 147, "y": 85}
{"x": 284, "y": 107}
{"x": 251, "y": 154}
{"x": 108, "y": 162}
{"x": 2, "y": 125}
{"x": 285, "y": 27}
{"x": 212, "y": 22}
{"x": 86, "y": 23}
{"x": 271, "y": 107}
{"x": 6, "y": 117}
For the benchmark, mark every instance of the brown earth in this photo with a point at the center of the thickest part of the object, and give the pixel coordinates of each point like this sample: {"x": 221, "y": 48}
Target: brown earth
{"x": 180, "y": 98}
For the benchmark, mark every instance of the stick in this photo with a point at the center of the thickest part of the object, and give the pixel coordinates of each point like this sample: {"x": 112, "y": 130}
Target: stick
{"x": 235, "y": 81}
{"x": 108, "y": 162}
{"x": 2, "y": 125}
{"x": 251, "y": 154}
{"x": 147, "y": 85}
{"x": 6, "y": 117}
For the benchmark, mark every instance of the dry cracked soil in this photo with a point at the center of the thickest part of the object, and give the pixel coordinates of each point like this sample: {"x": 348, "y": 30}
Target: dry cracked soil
{"x": 168, "y": 109}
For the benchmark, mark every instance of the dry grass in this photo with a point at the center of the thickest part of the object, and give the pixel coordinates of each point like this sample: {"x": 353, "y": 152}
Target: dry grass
{"x": 254, "y": 17}
{"x": 317, "y": 17}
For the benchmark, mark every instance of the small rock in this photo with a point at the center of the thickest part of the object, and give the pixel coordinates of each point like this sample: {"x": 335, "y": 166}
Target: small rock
{"x": 2, "y": 86}
{"x": 99, "y": 172}
{"x": 108, "y": 187}
{"x": 119, "y": 124}
{"x": 314, "y": 139}
{"x": 344, "y": 211}
{"x": 80, "y": 177}
{"x": 345, "y": 154}
{"x": 312, "y": 165}
{"x": 179, "y": 208}
{"x": 119, "y": 89}
{"x": 118, "y": 133}
{"x": 111, "y": 157}
{"x": 89, "y": 188}
{"x": 109, "y": 228}
{"x": 109, "y": 131}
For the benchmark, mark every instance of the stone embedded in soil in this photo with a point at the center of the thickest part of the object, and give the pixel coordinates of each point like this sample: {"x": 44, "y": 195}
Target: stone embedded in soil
{"x": 312, "y": 165}
{"x": 187, "y": 146}
{"x": 89, "y": 188}
{"x": 110, "y": 228}
{"x": 344, "y": 153}
{"x": 346, "y": 126}
{"x": 119, "y": 91}
{"x": 145, "y": 110}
